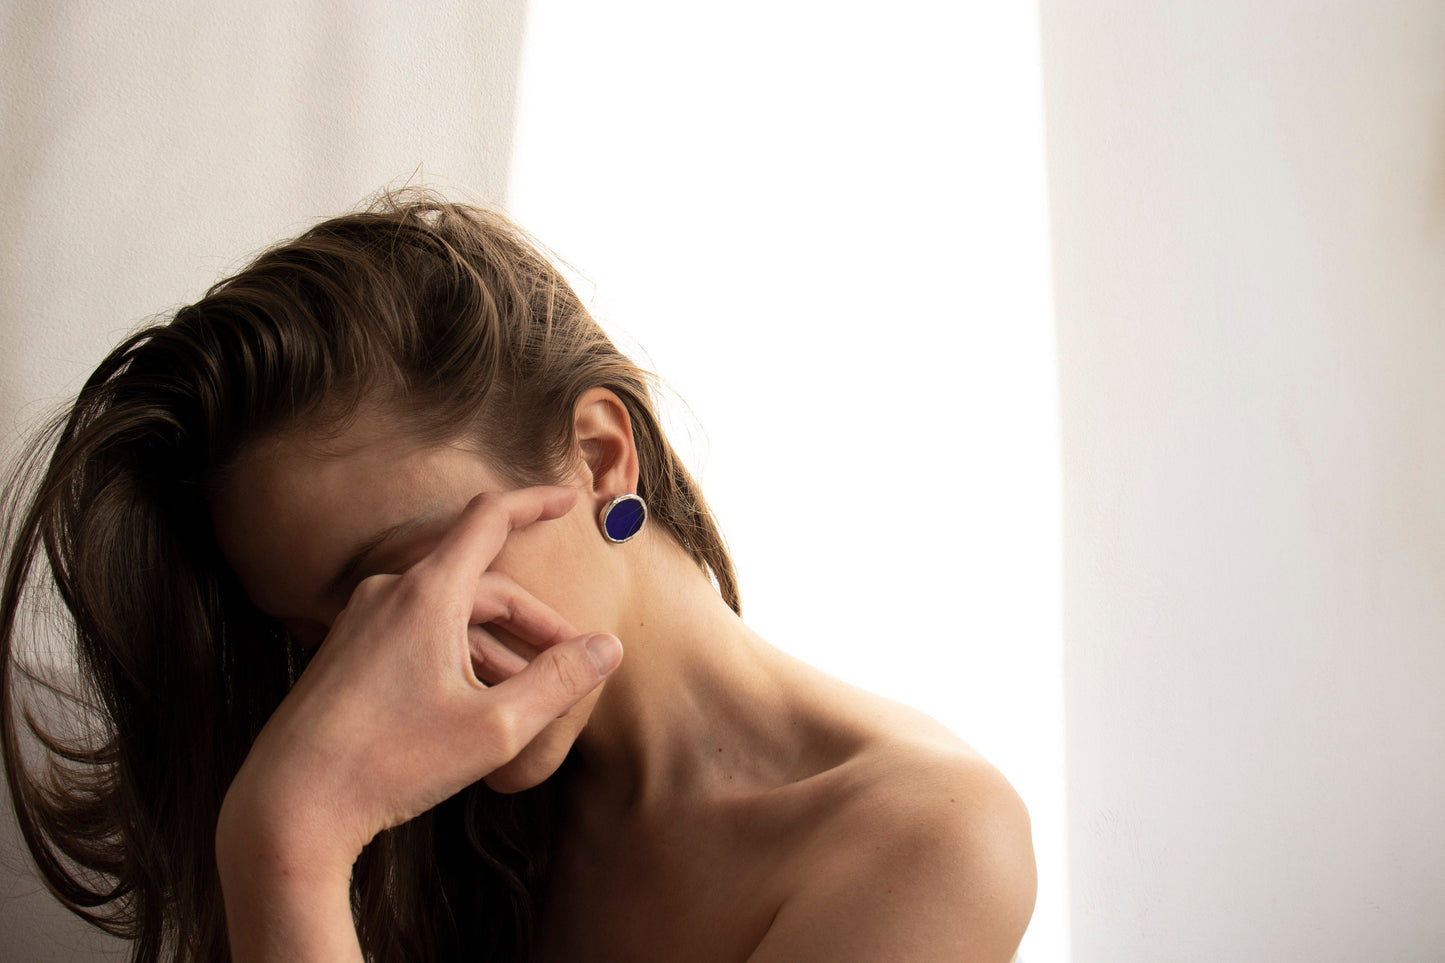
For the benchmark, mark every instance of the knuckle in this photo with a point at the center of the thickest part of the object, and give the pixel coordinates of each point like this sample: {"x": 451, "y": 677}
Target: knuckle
{"x": 370, "y": 588}
{"x": 487, "y": 511}
{"x": 498, "y": 588}
{"x": 571, "y": 672}
{"x": 500, "y": 725}
{"x": 499, "y": 583}
{"x": 483, "y": 503}
{"x": 415, "y": 590}
{"x": 495, "y": 597}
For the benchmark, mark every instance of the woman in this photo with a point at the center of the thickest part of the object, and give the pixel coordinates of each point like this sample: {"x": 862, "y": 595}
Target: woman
{"x": 403, "y": 633}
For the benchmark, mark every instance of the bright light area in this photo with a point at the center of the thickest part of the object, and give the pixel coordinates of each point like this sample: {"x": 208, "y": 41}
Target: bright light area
{"x": 824, "y": 225}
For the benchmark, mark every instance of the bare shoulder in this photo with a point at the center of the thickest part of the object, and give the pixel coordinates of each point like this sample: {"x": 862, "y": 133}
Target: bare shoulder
{"x": 927, "y": 855}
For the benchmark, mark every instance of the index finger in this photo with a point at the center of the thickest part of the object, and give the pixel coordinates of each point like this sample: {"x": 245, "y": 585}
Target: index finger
{"x": 483, "y": 526}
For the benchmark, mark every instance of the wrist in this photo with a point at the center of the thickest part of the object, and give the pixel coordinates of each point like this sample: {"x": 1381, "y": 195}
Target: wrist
{"x": 287, "y": 896}
{"x": 254, "y": 840}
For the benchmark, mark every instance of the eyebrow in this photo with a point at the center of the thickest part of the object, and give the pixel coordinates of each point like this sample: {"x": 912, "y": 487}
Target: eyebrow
{"x": 363, "y": 549}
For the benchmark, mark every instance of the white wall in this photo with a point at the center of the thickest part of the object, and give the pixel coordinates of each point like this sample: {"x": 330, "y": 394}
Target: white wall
{"x": 148, "y": 146}
{"x": 1249, "y": 224}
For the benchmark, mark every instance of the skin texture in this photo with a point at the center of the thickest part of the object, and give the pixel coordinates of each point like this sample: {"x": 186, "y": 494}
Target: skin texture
{"x": 731, "y": 803}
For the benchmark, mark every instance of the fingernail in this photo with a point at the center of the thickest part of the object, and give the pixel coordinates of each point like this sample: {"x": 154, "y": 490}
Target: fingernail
{"x": 605, "y": 652}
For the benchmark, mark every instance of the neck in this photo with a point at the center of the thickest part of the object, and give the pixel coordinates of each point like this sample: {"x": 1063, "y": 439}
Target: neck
{"x": 701, "y": 704}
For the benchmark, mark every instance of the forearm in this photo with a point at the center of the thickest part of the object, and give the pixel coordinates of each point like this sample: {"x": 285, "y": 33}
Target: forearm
{"x": 267, "y": 923}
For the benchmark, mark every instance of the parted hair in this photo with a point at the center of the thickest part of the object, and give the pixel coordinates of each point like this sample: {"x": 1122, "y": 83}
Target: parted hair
{"x": 134, "y": 671}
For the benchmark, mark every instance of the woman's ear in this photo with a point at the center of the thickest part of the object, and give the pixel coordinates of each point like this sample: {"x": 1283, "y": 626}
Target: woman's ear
{"x": 604, "y": 436}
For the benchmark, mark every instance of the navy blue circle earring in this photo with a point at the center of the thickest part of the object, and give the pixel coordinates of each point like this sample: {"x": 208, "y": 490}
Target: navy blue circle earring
{"x": 623, "y": 517}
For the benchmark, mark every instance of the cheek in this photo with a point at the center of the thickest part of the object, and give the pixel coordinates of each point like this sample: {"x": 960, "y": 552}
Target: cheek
{"x": 564, "y": 563}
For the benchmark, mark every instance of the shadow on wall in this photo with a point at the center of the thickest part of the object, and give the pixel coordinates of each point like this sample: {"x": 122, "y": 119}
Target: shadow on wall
{"x": 29, "y": 130}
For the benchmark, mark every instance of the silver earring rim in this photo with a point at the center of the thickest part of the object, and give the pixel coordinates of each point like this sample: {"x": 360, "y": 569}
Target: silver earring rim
{"x": 602, "y": 518}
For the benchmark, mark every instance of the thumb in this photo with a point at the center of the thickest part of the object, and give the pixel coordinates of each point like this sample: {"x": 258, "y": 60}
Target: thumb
{"x": 555, "y": 681}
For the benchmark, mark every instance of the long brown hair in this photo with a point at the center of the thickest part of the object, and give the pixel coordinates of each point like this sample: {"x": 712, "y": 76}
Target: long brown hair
{"x": 460, "y": 320}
